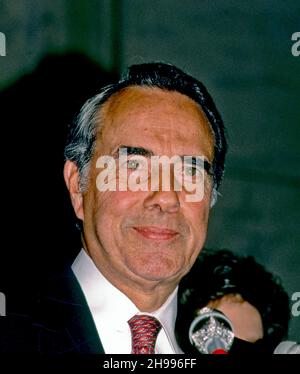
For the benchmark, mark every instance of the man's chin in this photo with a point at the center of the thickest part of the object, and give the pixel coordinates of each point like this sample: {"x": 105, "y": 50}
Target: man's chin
{"x": 157, "y": 274}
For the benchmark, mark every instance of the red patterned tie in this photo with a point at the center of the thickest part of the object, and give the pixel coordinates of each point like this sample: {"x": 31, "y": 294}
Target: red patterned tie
{"x": 144, "y": 330}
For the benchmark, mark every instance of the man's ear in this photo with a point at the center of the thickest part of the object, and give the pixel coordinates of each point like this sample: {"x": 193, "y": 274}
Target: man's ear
{"x": 72, "y": 180}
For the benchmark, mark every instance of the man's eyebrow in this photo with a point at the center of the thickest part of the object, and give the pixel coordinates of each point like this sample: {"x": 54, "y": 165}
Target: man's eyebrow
{"x": 201, "y": 162}
{"x": 133, "y": 151}
{"x": 141, "y": 151}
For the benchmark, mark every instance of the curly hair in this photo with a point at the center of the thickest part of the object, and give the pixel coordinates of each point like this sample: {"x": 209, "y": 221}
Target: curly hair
{"x": 219, "y": 273}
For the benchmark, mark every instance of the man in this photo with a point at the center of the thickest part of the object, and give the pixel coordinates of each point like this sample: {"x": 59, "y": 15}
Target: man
{"x": 137, "y": 243}
{"x": 259, "y": 315}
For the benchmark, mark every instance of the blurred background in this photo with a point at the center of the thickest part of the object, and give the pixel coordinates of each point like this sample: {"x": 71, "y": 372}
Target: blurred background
{"x": 60, "y": 52}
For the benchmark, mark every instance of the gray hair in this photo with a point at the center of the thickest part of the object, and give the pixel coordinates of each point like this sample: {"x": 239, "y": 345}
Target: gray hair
{"x": 82, "y": 137}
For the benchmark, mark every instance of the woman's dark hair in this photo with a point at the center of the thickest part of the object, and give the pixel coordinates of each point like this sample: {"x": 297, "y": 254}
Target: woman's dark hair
{"x": 219, "y": 273}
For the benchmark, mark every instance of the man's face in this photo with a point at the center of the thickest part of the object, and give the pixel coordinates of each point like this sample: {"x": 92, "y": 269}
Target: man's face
{"x": 147, "y": 236}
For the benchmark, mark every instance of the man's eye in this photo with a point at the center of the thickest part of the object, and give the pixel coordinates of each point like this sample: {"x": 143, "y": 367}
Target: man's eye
{"x": 133, "y": 164}
{"x": 191, "y": 171}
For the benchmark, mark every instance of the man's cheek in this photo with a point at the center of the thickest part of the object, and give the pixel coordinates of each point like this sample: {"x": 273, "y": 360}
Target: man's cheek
{"x": 198, "y": 211}
{"x": 119, "y": 201}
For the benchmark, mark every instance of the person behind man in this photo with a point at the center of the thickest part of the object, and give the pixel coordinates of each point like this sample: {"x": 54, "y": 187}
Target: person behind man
{"x": 244, "y": 291}
{"x": 121, "y": 295}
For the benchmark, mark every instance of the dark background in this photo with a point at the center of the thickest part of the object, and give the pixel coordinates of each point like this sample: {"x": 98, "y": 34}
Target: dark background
{"x": 241, "y": 50}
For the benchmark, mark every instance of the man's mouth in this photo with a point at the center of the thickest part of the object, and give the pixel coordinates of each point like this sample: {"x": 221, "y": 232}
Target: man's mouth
{"x": 156, "y": 233}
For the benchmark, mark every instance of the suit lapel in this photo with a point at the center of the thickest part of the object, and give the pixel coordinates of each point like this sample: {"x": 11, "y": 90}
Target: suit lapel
{"x": 64, "y": 322}
{"x": 82, "y": 329}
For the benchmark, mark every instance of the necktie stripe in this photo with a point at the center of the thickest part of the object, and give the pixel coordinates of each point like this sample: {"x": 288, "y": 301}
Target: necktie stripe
{"x": 144, "y": 331}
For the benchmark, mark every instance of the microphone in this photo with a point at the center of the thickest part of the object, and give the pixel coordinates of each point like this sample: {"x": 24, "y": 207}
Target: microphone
{"x": 287, "y": 347}
{"x": 211, "y": 332}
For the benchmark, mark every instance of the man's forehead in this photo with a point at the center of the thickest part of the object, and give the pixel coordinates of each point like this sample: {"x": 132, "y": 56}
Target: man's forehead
{"x": 168, "y": 116}
{"x": 134, "y": 96}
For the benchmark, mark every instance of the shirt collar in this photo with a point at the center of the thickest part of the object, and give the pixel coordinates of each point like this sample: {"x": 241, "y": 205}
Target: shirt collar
{"x": 110, "y": 304}
{"x": 166, "y": 314}
{"x": 102, "y": 297}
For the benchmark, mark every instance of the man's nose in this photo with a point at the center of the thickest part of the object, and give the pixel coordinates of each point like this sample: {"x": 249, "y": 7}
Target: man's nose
{"x": 166, "y": 199}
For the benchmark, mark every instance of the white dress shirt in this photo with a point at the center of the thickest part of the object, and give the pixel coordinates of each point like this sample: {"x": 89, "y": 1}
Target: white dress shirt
{"x": 111, "y": 310}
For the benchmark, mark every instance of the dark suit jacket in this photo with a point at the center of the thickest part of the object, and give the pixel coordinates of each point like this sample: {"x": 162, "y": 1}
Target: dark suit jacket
{"x": 59, "y": 322}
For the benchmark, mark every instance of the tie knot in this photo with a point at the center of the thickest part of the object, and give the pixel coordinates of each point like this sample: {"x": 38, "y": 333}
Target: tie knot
{"x": 144, "y": 331}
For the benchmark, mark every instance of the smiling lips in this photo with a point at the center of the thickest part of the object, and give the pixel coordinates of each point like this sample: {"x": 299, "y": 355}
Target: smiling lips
{"x": 156, "y": 233}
